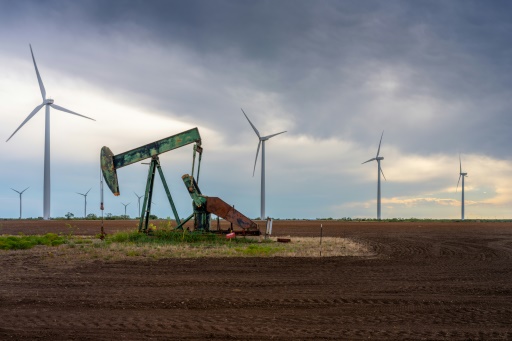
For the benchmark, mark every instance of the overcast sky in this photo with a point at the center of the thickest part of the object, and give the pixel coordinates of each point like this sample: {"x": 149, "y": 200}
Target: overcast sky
{"x": 433, "y": 75}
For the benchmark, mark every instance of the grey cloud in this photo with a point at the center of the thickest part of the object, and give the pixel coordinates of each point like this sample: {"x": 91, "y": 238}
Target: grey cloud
{"x": 316, "y": 58}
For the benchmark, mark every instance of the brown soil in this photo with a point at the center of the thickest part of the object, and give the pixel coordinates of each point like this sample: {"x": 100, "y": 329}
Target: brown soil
{"x": 427, "y": 281}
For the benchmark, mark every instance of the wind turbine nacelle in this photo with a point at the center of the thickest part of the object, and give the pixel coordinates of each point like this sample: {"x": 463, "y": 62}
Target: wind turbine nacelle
{"x": 49, "y": 101}
{"x": 379, "y": 158}
{"x": 108, "y": 170}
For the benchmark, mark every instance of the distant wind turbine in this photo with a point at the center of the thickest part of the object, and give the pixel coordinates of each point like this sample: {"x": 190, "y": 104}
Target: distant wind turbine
{"x": 379, "y": 171}
{"x": 125, "y": 207}
{"x": 20, "y": 193}
{"x": 47, "y": 102}
{"x": 138, "y": 198}
{"x": 461, "y": 175}
{"x": 85, "y": 197}
{"x": 262, "y": 143}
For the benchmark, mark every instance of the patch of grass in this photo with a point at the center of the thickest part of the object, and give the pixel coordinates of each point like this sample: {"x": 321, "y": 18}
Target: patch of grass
{"x": 132, "y": 253}
{"x": 166, "y": 243}
{"x": 171, "y": 237}
{"x": 23, "y": 242}
{"x": 185, "y": 244}
{"x": 82, "y": 241}
{"x": 71, "y": 229}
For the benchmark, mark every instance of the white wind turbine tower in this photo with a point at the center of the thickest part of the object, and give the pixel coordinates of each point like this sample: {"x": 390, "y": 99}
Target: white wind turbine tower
{"x": 262, "y": 143}
{"x": 461, "y": 175}
{"x": 125, "y": 207}
{"x": 85, "y": 197}
{"x": 20, "y": 193}
{"x": 379, "y": 171}
{"x": 138, "y": 198}
{"x": 47, "y": 103}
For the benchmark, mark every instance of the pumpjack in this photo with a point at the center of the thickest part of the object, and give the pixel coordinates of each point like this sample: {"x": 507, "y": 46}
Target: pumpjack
{"x": 203, "y": 206}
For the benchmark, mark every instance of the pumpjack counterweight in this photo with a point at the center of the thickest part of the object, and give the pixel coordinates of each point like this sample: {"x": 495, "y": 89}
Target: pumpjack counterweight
{"x": 203, "y": 206}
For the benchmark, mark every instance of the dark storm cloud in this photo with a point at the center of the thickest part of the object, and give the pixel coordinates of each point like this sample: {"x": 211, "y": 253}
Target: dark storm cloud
{"x": 453, "y": 52}
{"x": 328, "y": 63}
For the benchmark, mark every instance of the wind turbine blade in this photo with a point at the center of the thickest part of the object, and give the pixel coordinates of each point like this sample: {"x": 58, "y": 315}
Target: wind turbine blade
{"x": 252, "y": 125}
{"x": 55, "y": 106}
{"x": 460, "y": 165}
{"x": 458, "y": 184}
{"x": 15, "y": 190}
{"x": 25, "y": 190}
{"x": 267, "y": 137}
{"x": 372, "y": 159}
{"x": 41, "y": 86}
{"x": 256, "y": 159}
{"x": 378, "y": 150}
{"x": 383, "y": 174}
{"x": 28, "y": 118}
{"x": 88, "y": 191}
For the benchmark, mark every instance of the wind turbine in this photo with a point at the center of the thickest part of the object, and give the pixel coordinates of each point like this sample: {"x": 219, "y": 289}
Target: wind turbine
{"x": 85, "y": 197}
{"x": 262, "y": 143}
{"x": 138, "y": 198}
{"x": 125, "y": 207}
{"x": 379, "y": 171}
{"x": 461, "y": 175}
{"x": 20, "y": 193}
{"x": 47, "y": 103}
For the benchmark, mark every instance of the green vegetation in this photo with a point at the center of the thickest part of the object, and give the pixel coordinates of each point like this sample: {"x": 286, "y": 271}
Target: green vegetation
{"x": 191, "y": 244}
{"x": 167, "y": 236}
{"x": 22, "y": 242}
{"x": 163, "y": 242}
{"x": 167, "y": 243}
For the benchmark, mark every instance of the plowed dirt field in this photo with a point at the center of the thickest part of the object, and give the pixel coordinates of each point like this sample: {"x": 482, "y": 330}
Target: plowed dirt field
{"x": 425, "y": 281}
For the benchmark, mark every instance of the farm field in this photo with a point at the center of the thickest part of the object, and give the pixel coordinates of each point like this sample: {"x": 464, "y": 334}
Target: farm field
{"x": 422, "y": 281}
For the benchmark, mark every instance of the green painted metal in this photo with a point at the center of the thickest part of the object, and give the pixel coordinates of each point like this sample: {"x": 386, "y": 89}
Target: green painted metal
{"x": 108, "y": 170}
{"x": 204, "y": 206}
{"x": 111, "y": 162}
{"x": 199, "y": 150}
{"x": 174, "y": 211}
{"x": 157, "y": 148}
{"x": 146, "y": 206}
{"x": 183, "y": 222}
{"x": 201, "y": 215}
{"x": 198, "y": 199}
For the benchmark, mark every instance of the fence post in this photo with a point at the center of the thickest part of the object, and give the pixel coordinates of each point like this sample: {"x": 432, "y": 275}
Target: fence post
{"x": 268, "y": 230}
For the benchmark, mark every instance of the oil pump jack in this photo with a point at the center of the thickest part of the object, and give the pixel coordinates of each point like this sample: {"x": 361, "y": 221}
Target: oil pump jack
{"x": 203, "y": 206}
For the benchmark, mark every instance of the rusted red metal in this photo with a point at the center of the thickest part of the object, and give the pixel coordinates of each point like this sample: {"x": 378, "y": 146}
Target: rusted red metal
{"x": 220, "y": 208}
